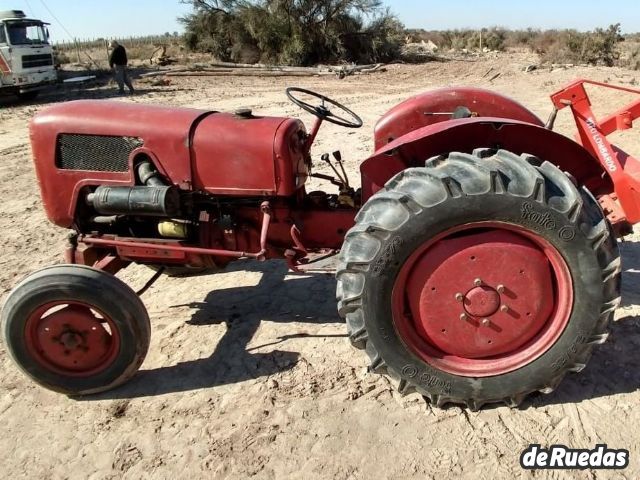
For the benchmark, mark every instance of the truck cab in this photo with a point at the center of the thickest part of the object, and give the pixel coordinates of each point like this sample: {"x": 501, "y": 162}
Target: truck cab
{"x": 26, "y": 56}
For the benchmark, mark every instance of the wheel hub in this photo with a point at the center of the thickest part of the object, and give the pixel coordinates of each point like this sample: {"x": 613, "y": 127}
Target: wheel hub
{"x": 71, "y": 340}
{"x": 482, "y": 302}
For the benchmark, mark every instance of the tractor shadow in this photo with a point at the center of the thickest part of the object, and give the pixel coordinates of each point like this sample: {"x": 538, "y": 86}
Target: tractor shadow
{"x": 305, "y": 299}
{"x": 614, "y": 367}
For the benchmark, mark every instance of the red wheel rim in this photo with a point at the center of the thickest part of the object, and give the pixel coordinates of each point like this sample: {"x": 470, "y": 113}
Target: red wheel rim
{"x": 482, "y": 299}
{"x": 71, "y": 338}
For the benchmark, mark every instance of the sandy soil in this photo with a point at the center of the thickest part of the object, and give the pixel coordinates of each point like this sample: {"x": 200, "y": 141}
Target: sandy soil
{"x": 249, "y": 373}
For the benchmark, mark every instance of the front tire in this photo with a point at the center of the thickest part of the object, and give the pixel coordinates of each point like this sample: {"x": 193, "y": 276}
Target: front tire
{"x": 75, "y": 330}
{"x": 479, "y": 278}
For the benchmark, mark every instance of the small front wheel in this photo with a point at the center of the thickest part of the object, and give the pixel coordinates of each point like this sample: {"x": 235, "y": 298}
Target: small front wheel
{"x": 75, "y": 330}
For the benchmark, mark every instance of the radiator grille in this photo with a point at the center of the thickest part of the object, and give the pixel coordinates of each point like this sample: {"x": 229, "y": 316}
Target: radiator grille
{"x": 32, "y": 61}
{"x": 97, "y": 153}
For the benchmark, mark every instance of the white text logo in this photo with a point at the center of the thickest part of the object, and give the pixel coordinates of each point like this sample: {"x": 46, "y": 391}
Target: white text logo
{"x": 602, "y": 148}
{"x": 561, "y": 457}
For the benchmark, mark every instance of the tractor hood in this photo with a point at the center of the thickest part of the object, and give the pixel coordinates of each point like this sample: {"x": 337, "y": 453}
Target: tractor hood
{"x": 89, "y": 143}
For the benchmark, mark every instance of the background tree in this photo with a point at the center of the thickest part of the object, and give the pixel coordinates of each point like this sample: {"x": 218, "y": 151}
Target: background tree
{"x": 297, "y": 32}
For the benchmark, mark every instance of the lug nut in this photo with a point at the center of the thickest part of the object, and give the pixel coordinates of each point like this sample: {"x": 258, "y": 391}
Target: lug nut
{"x": 500, "y": 288}
{"x": 504, "y": 308}
{"x": 486, "y": 321}
{"x": 459, "y": 297}
{"x": 477, "y": 282}
{"x": 463, "y": 316}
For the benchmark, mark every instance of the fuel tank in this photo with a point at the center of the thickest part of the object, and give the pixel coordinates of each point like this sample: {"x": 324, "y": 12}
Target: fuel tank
{"x": 247, "y": 155}
{"x": 83, "y": 144}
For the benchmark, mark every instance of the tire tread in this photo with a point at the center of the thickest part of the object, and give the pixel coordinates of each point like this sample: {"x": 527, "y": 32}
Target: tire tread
{"x": 484, "y": 170}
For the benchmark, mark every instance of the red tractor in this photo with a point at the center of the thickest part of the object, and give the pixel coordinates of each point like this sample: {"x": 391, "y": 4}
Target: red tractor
{"x": 478, "y": 261}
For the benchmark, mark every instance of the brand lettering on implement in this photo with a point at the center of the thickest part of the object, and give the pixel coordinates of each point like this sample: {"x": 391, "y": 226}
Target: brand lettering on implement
{"x": 602, "y": 148}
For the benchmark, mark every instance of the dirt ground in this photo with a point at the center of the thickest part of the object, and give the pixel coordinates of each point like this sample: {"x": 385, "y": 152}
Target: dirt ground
{"x": 249, "y": 371}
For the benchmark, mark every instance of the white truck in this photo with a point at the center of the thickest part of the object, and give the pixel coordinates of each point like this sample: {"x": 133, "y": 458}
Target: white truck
{"x": 26, "y": 56}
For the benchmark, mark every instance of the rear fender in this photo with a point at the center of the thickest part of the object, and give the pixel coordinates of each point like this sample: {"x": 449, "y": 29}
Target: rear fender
{"x": 428, "y": 108}
{"x": 465, "y": 135}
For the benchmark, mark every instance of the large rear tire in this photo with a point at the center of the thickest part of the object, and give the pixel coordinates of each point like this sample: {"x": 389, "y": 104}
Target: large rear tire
{"x": 479, "y": 278}
{"x": 75, "y": 330}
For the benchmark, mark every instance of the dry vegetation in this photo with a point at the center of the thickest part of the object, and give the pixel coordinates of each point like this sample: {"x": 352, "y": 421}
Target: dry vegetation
{"x": 306, "y": 32}
{"x": 294, "y": 32}
{"x": 602, "y": 46}
{"x": 139, "y": 49}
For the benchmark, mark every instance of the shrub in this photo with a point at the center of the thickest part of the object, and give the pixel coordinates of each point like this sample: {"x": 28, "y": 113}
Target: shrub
{"x": 598, "y": 47}
{"x": 303, "y": 32}
{"x": 570, "y": 46}
{"x": 633, "y": 60}
{"x": 297, "y": 32}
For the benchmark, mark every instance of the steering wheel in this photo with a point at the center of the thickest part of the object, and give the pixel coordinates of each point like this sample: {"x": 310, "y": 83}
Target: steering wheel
{"x": 322, "y": 111}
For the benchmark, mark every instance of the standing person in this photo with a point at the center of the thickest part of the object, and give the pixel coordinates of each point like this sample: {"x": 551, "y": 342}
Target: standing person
{"x": 118, "y": 61}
